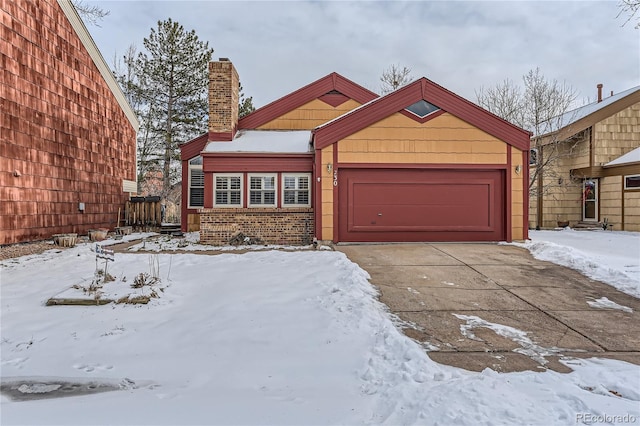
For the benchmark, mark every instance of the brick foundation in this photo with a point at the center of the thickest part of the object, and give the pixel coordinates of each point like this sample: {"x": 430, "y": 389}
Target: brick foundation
{"x": 273, "y": 226}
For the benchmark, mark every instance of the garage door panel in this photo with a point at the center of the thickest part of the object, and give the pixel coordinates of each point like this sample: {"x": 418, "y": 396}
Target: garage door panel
{"x": 420, "y": 193}
{"x": 418, "y": 218}
{"x": 421, "y": 205}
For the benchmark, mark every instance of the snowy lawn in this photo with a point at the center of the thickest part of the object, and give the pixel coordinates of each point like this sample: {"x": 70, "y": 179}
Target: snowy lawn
{"x": 266, "y": 337}
{"x": 612, "y": 257}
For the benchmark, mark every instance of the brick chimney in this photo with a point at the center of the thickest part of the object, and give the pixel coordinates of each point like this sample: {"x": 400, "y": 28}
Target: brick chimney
{"x": 223, "y": 100}
{"x": 599, "y": 86}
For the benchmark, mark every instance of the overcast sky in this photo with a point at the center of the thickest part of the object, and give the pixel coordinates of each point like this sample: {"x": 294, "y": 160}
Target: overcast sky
{"x": 278, "y": 47}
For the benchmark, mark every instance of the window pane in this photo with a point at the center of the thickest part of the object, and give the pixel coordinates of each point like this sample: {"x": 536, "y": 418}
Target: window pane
{"x": 196, "y": 161}
{"x": 235, "y": 182}
{"x": 235, "y": 198}
{"x": 196, "y": 197}
{"x": 221, "y": 182}
{"x": 422, "y": 108}
{"x": 289, "y": 197}
{"x": 269, "y": 183}
{"x": 303, "y": 197}
{"x": 289, "y": 182}
{"x": 221, "y": 198}
{"x": 197, "y": 177}
{"x": 255, "y": 183}
{"x": 255, "y": 197}
{"x": 303, "y": 183}
{"x": 632, "y": 181}
{"x": 270, "y": 197}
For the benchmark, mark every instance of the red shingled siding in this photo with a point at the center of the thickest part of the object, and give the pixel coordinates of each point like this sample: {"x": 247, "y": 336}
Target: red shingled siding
{"x": 61, "y": 129}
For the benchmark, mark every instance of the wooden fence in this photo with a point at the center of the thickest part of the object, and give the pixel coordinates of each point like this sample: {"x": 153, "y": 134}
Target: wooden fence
{"x": 142, "y": 212}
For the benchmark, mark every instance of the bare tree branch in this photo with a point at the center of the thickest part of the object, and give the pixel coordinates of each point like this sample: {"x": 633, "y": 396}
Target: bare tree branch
{"x": 91, "y": 14}
{"x": 394, "y": 77}
{"x": 630, "y": 8}
{"x": 540, "y": 106}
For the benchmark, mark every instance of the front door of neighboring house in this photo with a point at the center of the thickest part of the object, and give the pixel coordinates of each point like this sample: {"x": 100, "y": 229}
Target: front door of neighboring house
{"x": 590, "y": 200}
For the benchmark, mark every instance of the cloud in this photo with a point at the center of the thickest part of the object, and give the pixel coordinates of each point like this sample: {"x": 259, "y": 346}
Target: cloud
{"x": 278, "y": 47}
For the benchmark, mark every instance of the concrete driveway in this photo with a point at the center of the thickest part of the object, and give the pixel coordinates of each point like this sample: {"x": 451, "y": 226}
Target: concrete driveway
{"x": 486, "y": 305}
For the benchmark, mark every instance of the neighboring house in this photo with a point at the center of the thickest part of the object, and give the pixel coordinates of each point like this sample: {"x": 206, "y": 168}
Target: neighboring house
{"x": 332, "y": 161}
{"x": 595, "y": 178}
{"x": 68, "y": 136}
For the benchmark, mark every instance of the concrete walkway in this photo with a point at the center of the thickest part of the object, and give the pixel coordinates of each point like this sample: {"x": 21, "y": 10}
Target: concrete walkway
{"x": 487, "y": 305}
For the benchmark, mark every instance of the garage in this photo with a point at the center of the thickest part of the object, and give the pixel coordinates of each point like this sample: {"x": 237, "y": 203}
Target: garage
{"x": 420, "y": 164}
{"x": 393, "y": 205}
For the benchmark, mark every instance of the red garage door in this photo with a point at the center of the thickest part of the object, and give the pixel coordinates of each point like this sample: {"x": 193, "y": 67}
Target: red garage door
{"x": 421, "y": 205}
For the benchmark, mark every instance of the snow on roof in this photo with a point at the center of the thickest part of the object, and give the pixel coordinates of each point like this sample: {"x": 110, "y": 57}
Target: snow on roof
{"x": 275, "y": 141}
{"x": 629, "y": 157}
{"x": 574, "y": 115}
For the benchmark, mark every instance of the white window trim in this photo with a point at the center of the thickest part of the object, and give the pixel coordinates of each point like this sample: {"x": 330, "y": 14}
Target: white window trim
{"x": 286, "y": 206}
{"x": 625, "y": 183}
{"x": 229, "y": 206}
{"x": 275, "y": 184}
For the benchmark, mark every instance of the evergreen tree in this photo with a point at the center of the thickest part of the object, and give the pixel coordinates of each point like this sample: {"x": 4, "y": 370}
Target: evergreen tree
{"x": 245, "y": 105}
{"x": 167, "y": 86}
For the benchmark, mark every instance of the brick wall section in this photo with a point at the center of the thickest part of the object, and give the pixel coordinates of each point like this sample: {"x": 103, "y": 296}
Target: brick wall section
{"x": 223, "y": 96}
{"x": 273, "y": 226}
{"x": 61, "y": 129}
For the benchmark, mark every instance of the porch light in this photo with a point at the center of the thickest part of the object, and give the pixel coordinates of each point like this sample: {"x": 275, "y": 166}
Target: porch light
{"x": 518, "y": 169}
{"x": 329, "y": 167}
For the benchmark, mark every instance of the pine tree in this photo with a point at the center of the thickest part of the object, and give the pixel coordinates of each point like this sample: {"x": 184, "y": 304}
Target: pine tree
{"x": 169, "y": 82}
{"x": 245, "y": 105}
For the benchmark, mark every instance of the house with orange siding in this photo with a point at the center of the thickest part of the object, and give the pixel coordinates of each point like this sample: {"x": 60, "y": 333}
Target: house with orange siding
{"x": 67, "y": 133}
{"x": 333, "y": 161}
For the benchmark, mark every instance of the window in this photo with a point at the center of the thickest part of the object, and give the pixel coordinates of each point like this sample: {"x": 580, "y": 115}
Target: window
{"x": 422, "y": 108}
{"x": 262, "y": 190}
{"x": 228, "y": 190}
{"x": 196, "y": 183}
{"x": 533, "y": 157}
{"x": 632, "y": 182}
{"x": 296, "y": 190}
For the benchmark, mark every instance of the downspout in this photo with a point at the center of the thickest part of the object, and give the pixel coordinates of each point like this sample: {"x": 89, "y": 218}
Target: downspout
{"x": 317, "y": 193}
{"x": 525, "y": 195}
{"x": 539, "y": 191}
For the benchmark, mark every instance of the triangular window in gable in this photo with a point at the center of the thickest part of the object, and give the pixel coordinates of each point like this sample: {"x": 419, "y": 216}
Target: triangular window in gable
{"x": 422, "y": 108}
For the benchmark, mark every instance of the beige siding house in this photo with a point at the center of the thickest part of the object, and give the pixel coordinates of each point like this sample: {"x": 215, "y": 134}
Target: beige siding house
{"x": 594, "y": 179}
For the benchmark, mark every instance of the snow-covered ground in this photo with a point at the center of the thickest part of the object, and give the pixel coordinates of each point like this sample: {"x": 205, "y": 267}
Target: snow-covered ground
{"x": 267, "y": 337}
{"x": 612, "y": 257}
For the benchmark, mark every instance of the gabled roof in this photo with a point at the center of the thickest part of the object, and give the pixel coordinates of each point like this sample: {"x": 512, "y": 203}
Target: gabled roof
{"x": 421, "y": 89}
{"x": 576, "y": 120}
{"x": 194, "y": 147}
{"x": 331, "y": 89}
{"x": 632, "y": 157}
{"x": 87, "y": 41}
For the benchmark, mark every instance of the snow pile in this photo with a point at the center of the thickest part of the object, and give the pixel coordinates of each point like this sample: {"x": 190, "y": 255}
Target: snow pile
{"x": 605, "y": 303}
{"x": 528, "y": 347}
{"x": 191, "y": 242}
{"x": 612, "y": 257}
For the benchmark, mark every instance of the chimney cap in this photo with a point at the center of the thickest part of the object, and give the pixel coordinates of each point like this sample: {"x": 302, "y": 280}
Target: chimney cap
{"x": 599, "y": 86}
{"x": 223, "y": 59}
